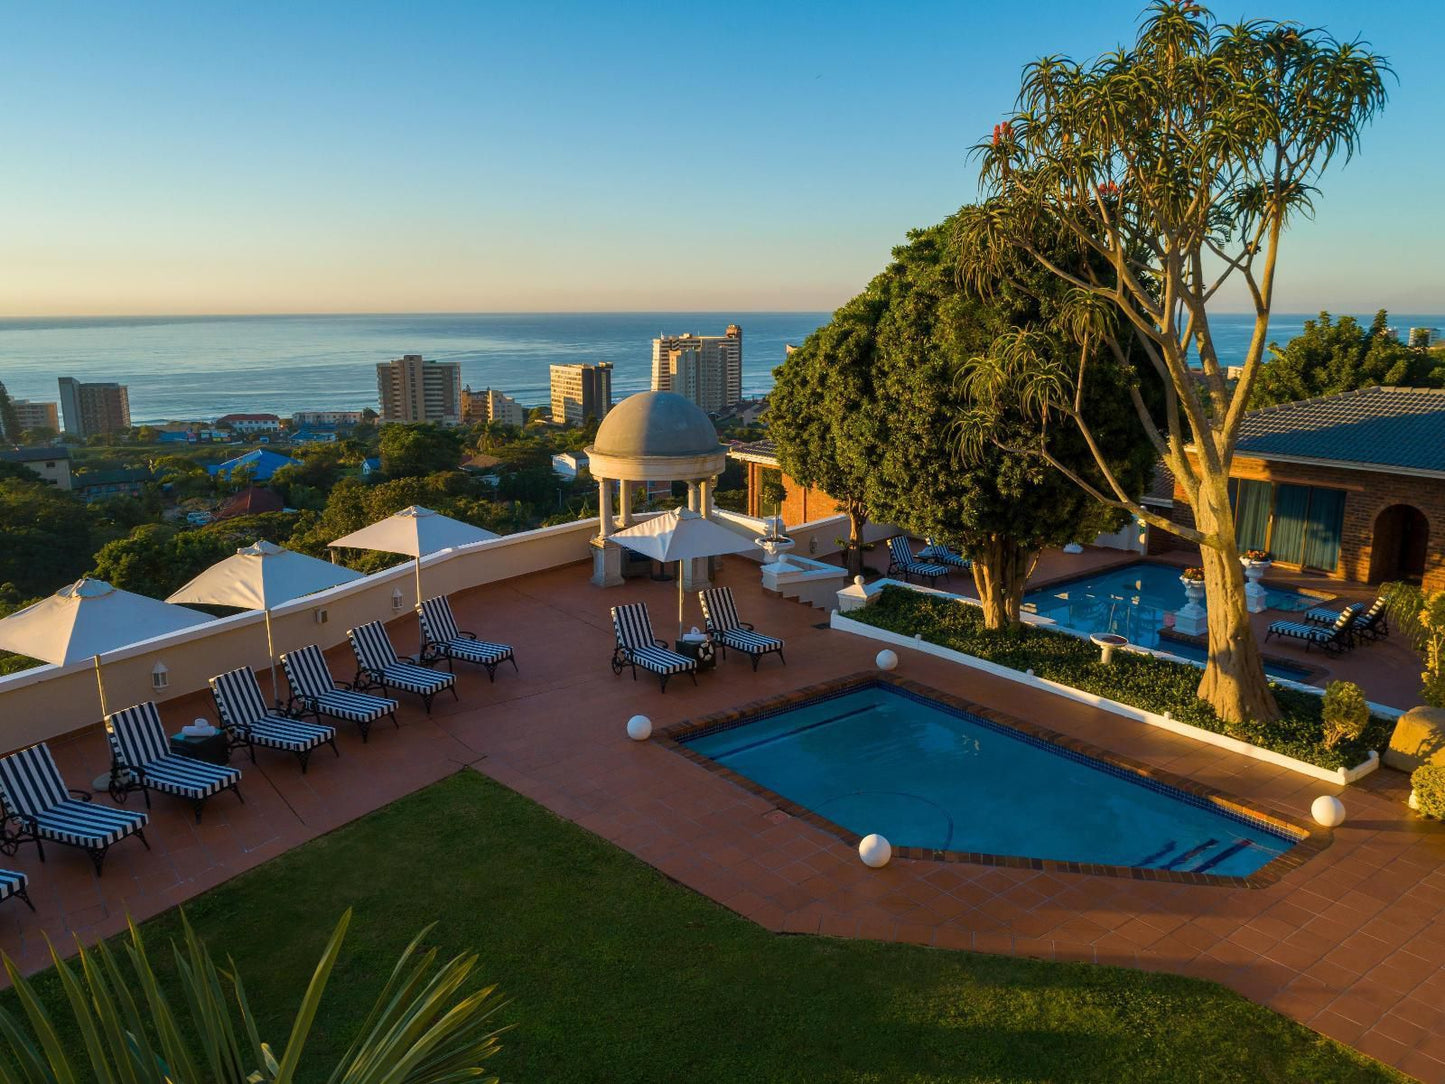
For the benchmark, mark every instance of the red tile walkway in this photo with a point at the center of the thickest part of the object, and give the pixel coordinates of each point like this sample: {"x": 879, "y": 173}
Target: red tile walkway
{"x": 1352, "y": 943}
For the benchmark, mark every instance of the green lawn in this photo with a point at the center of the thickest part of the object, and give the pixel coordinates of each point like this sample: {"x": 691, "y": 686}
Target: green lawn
{"x": 615, "y": 973}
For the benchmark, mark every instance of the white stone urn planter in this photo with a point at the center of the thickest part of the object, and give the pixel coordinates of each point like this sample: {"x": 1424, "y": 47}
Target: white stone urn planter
{"x": 1254, "y": 593}
{"x": 774, "y": 543}
{"x": 1191, "y": 619}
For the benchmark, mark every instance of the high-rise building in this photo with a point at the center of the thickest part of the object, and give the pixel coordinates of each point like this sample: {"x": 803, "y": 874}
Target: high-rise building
{"x": 28, "y": 415}
{"x": 490, "y": 405}
{"x": 707, "y": 369}
{"x": 412, "y": 389}
{"x": 580, "y": 392}
{"x": 92, "y": 409}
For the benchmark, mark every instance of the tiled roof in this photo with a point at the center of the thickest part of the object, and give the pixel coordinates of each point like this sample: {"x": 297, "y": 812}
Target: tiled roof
{"x": 1401, "y": 428}
{"x": 759, "y": 451}
{"x": 34, "y": 455}
{"x": 1161, "y": 487}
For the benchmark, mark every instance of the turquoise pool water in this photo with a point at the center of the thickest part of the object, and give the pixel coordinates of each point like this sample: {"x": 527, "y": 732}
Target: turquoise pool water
{"x": 923, "y": 774}
{"x": 1138, "y": 600}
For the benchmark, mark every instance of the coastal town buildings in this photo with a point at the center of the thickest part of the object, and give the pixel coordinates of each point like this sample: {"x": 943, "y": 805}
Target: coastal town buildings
{"x": 490, "y": 405}
{"x": 414, "y": 389}
{"x": 94, "y": 409}
{"x": 33, "y": 415}
{"x": 705, "y": 369}
{"x": 580, "y": 392}
{"x": 52, "y": 463}
{"x": 310, "y": 419}
{"x": 250, "y": 423}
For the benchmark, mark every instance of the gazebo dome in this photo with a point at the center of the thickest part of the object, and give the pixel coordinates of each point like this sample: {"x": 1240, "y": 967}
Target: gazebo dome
{"x": 655, "y": 424}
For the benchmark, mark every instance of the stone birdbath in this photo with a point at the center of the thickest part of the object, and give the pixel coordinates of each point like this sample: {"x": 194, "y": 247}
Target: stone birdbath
{"x": 1108, "y": 643}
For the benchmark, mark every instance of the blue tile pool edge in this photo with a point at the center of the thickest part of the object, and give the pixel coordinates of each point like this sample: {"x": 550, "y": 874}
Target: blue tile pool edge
{"x": 1306, "y": 840}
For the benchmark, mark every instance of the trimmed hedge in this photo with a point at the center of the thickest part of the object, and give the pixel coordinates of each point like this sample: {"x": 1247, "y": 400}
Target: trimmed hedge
{"x": 1428, "y": 782}
{"x": 1141, "y": 681}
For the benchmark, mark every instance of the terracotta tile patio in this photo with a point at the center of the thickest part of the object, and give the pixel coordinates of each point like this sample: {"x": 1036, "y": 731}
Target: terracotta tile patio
{"x": 1352, "y": 943}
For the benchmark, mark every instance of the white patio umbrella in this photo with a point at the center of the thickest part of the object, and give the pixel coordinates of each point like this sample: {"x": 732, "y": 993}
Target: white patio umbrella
{"x": 88, "y": 618}
{"x": 681, "y": 535}
{"x": 416, "y": 532}
{"x": 259, "y": 577}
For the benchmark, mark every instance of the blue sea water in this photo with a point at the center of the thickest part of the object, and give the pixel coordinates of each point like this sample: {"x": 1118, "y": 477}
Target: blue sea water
{"x": 205, "y": 366}
{"x": 923, "y": 775}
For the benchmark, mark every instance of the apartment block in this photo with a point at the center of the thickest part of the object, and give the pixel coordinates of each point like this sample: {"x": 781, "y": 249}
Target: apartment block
{"x": 580, "y": 392}
{"x": 93, "y": 409}
{"x": 338, "y": 418}
{"x": 706, "y": 369}
{"x": 412, "y": 389}
{"x": 490, "y": 405}
{"x": 30, "y": 415}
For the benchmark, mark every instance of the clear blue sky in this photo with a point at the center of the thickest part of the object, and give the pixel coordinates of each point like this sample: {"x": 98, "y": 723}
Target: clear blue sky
{"x": 277, "y": 157}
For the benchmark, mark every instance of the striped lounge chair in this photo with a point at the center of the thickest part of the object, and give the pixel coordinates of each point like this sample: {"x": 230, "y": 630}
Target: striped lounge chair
{"x": 314, "y": 692}
{"x": 249, "y": 722}
{"x": 39, "y": 809}
{"x": 721, "y": 617}
{"x": 1369, "y": 625}
{"x": 636, "y": 646}
{"x": 378, "y": 666}
{"x": 902, "y": 562}
{"x": 141, "y": 759}
{"x": 441, "y": 639}
{"x": 941, "y": 553}
{"x": 12, "y": 883}
{"x": 1333, "y": 638}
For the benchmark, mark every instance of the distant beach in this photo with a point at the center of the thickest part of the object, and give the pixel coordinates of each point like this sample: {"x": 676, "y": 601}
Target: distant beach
{"x": 205, "y": 366}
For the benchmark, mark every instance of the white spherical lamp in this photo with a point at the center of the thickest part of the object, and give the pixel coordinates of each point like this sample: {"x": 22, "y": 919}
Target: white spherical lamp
{"x": 1328, "y": 811}
{"x": 887, "y": 660}
{"x": 875, "y": 851}
{"x": 639, "y": 728}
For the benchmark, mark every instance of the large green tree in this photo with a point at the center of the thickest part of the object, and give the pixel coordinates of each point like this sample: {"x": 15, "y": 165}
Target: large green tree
{"x": 156, "y": 558}
{"x": 999, "y": 506}
{"x": 1333, "y": 356}
{"x": 819, "y": 413}
{"x": 411, "y": 451}
{"x": 49, "y": 535}
{"x": 1178, "y": 161}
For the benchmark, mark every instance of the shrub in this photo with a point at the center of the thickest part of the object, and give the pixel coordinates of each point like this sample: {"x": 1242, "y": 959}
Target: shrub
{"x": 1142, "y": 681}
{"x": 1346, "y": 714}
{"x": 1429, "y": 783}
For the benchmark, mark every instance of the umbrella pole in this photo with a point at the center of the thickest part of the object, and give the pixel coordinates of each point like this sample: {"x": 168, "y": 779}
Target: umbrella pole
{"x": 679, "y": 600}
{"x": 100, "y": 687}
{"x": 271, "y": 654}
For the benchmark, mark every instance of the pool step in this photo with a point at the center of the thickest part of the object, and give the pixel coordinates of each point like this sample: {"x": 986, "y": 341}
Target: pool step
{"x": 1200, "y": 858}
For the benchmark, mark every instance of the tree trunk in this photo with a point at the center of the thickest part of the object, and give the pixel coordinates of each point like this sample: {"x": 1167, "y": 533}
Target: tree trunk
{"x": 1234, "y": 682}
{"x": 1000, "y": 572}
{"x": 856, "y": 519}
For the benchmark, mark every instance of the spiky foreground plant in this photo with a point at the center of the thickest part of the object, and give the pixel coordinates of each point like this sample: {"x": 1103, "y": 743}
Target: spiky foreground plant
{"x": 422, "y": 1030}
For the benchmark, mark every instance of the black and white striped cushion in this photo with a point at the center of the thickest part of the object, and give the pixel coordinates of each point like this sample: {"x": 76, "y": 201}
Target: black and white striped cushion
{"x": 718, "y": 609}
{"x": 139, "y": 742}
{"x": 753, "y": 643}
{"x": 85, "y": 824}
{"x": 632, "y": 625}
{"x": 371, "y": 646}
{"x": 355, "y": 707}
{"x": 660, "y": 660}
{"x": 414, "y": 679}
{"x": 1300, "y": 631}
{"x": 941, "y": 553}
{"x": 476, "y": 650}
{"x": 306, "y": 672}
{"x": 437, "y": 623}
{"x": 11, "y": 882}
{"x": 30, "y": 781}
{"x": 292, "y": 735}
{"x": 904, "y": 559}
{"x": 243, "y": 711}
{"x": 238, "y": 698}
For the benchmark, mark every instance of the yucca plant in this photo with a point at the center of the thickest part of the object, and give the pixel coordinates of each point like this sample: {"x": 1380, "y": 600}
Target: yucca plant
{"x": 423, "y": 1028}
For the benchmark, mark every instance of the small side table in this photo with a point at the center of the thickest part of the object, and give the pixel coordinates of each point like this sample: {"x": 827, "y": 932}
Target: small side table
{"x": 213, "y": 748}
{"x": 701, "y": 650}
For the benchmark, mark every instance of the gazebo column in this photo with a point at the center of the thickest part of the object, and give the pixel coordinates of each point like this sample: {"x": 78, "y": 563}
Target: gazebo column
{"x": 606, "y": 554}
{"x": 704, "y": 497}
{"x": 695, "y": 572}
{"x": 625, "y": 501}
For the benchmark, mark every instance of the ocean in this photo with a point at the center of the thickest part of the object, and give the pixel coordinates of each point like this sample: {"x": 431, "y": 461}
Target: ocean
{"x": 193, "y": 367}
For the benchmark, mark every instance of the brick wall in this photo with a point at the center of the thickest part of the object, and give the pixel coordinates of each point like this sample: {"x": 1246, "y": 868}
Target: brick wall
{"x": 802, "y": 505}
{"x": 1367, "y": 495}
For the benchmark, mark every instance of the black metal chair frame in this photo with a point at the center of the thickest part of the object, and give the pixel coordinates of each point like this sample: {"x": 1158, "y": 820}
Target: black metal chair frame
{"x": 622, "y": 658}
{"x": 433, "y": 652}
{"x": 120, "y": 789}
{"x": 241, "y": 738}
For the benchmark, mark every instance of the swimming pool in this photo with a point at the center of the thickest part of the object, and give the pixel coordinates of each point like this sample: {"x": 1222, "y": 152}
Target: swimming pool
{"x": 1138, "y": 600}
{"x": 925, "y": 773}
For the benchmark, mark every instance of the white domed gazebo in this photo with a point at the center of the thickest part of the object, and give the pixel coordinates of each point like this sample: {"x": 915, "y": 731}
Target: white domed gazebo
{"x": 653, "y": 436}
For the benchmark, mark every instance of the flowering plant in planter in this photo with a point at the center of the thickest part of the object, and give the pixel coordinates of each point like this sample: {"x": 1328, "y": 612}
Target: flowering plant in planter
{"x": 1257, "y": 556}
{"x": 1195, "y": 574}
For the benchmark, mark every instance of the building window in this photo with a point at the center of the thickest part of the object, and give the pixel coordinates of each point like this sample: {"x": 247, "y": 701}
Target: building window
{"x": 1300, "y": 525}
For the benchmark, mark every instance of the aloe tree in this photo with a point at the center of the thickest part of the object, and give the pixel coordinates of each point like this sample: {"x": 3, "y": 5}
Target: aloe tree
{"x": 1178, "y": 162}
{"x": 128, "y": 1027}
